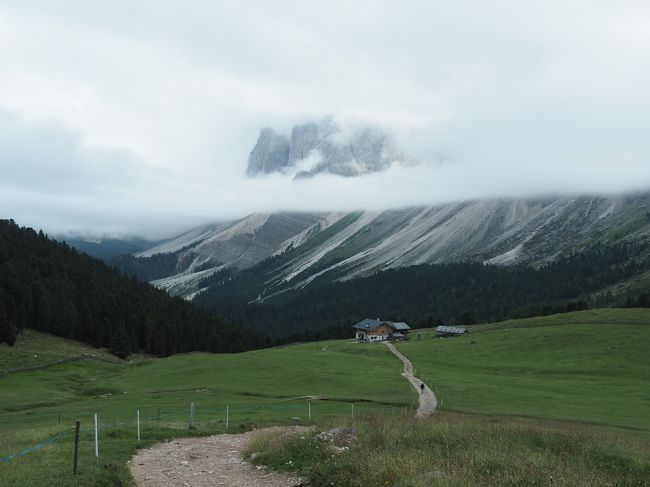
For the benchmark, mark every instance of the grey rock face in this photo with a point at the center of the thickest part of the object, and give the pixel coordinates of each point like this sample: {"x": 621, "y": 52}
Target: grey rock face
{"x": 304, "y": 139}
{"x": 322, "y": 147}
{"x": 501, "y": 232}
{"x": 238, "y": 244}
{"x": 270, "y": 154}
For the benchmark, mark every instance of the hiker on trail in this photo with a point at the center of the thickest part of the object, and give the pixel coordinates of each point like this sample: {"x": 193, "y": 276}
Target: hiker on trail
{"x": 422, "y": 388}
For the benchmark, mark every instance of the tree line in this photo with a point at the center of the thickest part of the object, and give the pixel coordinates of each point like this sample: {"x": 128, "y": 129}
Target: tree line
{"x": 427, "y": 295}
{"x": 50, "y": 287}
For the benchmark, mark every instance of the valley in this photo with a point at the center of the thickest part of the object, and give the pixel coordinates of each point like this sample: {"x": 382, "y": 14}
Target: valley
{"x": 317, "y": 244}
{"x": 575, "y": 377}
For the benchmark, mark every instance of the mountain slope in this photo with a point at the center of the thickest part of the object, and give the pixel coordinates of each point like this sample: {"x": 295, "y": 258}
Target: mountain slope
{"x": 428, "y": 294}
{"x": 50, "y": 287}
{"x": 347, "y": 246}
{"x": 203, "y": 251}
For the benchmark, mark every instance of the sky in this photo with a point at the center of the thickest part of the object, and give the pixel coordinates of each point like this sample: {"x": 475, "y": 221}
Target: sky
{"x": 137, "y": 117}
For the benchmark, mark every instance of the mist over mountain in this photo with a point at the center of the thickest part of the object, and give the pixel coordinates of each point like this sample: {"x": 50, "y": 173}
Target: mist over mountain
{"x": 350, "y": 245}
{"x": 323, "y": 147}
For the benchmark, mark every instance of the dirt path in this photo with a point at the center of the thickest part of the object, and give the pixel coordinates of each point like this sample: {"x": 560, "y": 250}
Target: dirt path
{"x": 216, "y": 460}
{"x": 204, "y": 462}
{"x": 427, "y": 399}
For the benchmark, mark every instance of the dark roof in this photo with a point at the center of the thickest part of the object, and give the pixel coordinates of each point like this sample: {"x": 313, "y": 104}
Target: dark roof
{"x": 451, "y": 329}
{"x": 400, "y": 326}
{"x": 369, "y": 324}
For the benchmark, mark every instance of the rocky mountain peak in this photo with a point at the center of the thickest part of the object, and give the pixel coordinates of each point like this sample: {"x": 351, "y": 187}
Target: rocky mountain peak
{"x": 322, "y": 147}
{"x": 270, "y": 154}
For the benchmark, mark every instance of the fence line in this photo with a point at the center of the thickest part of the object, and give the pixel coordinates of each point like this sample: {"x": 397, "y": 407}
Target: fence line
{"x": 37, "y": 446}
{"x": 178, "y": 413}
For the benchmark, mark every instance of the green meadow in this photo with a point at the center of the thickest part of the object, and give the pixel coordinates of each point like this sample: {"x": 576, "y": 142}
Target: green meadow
{"x": 566, "y": 391}
{"x": 259, "y": 388}
{"x": 34, "y": 349}
{"x": 591, "y": 366}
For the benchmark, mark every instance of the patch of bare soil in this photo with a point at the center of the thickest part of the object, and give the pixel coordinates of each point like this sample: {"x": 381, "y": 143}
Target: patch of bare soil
{"x": 206, "y": 462}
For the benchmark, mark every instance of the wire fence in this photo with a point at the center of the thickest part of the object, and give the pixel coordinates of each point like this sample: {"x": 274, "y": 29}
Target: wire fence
{"x": 228, "y": 418}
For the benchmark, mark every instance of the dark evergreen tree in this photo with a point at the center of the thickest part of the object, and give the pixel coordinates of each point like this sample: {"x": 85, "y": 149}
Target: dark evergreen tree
{"x": 120, "y": 343}
{"x": 7, "y": 332}
{"x": 43, "y": 316}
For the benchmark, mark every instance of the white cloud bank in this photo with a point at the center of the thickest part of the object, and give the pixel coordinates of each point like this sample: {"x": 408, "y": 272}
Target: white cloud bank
{"x": 137, "y": 117}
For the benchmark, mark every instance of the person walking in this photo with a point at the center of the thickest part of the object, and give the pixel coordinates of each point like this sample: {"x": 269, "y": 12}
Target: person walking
{"x": 422, "y": 388}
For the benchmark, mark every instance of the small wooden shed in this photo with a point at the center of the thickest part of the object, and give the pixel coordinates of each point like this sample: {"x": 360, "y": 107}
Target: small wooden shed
{"x": 450, "y": 331}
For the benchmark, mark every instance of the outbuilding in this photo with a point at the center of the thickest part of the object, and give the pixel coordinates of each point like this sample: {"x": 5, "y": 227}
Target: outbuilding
{"x": 450, "y": 331}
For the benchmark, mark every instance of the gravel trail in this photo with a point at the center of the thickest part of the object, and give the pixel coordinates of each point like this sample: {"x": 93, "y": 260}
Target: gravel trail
{"x": 427, "y": 399}
{"x": 205, "y": 462}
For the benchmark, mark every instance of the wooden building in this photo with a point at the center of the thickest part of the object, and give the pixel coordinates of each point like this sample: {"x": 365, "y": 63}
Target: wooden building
{"x": 450, "y": 331}
{"x": 378, "y": 330}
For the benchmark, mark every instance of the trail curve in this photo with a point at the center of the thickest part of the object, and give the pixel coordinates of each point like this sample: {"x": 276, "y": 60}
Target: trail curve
{"x": 427, "y": 402}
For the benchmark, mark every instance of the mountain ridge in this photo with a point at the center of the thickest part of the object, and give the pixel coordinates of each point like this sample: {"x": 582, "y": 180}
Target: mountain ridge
{"x": 355, "y": 244}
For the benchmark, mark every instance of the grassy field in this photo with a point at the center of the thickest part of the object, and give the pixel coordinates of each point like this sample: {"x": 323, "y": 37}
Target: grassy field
{"x": 34, "y": 349}
{"x": 586, "y": 373}
{"x": 562, "y": 367}
{"x": 452, "y": 449}
{"x": 261, "y": 388}
{"x": 606, "y": 316}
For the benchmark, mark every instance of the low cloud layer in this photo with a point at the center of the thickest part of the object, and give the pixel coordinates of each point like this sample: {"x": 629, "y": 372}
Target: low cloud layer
{"x": 137, "y": 118}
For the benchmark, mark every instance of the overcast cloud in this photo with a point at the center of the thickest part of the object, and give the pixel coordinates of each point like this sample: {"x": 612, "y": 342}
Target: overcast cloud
{"x": 130, "y": 117}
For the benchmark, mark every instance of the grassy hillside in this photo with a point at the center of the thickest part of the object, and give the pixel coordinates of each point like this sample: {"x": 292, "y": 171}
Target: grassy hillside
{"x": 583, "y": 368}
{"x": 589, "y": 366}
{"x": 260, "y": 387}
{"x": 605, "y": 316}
{"x": 328, "y": 370}
{"x": 35, "y": 349}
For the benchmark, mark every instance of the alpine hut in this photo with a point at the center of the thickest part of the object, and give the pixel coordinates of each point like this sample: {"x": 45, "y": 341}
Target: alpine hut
{"x": 379, "y": 330}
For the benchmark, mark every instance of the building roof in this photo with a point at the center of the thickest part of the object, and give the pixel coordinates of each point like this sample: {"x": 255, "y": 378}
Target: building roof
{"x": 451, "y": 329}
{"x": 397, "y": 335}
{"x": 401, "y": 326}
{"x": 369, "y": 325}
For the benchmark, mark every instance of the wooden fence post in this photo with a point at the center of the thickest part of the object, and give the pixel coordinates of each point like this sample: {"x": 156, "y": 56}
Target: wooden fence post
{"x": 96, "y": 439}
{"x": 192, "y": 415}
{"x": 138, "y": 421}
{"x": 76, "y": 447}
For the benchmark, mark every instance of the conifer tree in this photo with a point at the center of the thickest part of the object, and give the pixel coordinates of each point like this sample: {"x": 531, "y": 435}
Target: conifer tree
{"x": 120, "y": 345}
{"x": 7, "y": 331}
